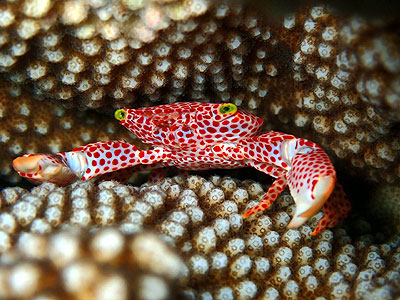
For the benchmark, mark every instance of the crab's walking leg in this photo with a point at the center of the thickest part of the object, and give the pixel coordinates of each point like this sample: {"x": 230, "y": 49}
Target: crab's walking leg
{"x": 335, "y": 210}
{"x": 238, "y": 153}
{"x": 273, "y": 192}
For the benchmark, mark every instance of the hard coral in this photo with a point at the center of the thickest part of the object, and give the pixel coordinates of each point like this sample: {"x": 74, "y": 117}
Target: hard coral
{"x": 103, "y": 264}
{"x": 30, "y": 125}
{"x": 328, "y": 77}
{"x": 94, "y": 51}
{"x": 343, "y": 88}
{"x": 225, "y": 256}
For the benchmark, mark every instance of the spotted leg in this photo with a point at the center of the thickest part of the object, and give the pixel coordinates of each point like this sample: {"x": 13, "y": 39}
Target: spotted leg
{"x": 273, "y": 192}
{"x": 239, "y": 153}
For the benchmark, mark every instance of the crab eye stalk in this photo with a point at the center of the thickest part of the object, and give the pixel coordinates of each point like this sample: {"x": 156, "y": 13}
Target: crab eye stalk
{"x": 120, "y": 114}
{"x": 228, "y": 108}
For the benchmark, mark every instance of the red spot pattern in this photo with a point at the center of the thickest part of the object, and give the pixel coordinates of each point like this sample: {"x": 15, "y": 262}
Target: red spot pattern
{"x": 274, "y": 190}
{"x": 104, "y": 157}
{"x": 335, "y": 210}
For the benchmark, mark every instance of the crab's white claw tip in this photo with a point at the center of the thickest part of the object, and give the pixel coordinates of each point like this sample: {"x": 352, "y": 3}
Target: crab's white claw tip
{"x": 296, "y": 221}
{"x": 322, "y": 190}
{"x": 306, "y": 206}
{"x": 27, "y": 164}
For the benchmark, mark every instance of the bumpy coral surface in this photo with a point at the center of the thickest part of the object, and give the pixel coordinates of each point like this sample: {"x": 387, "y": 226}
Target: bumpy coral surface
{"x": 220, "y": 255}
{"x": 105, "y": 264}
{"x": 345, "y": 81}
{"x": 314, "y": 73}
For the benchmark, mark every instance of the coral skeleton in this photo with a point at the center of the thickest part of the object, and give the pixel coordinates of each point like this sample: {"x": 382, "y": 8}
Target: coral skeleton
{"x": 208, "y": 250}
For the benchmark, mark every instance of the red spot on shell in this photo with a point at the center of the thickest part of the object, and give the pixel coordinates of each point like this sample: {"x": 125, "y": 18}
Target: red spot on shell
{"x": 211, "y": 129}
{"x": 224, "y": 129}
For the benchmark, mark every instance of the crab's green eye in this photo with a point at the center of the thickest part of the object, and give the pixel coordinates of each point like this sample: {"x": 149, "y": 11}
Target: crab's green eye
{"x": 120, "y": 114}
{"x": 227, "y": 108}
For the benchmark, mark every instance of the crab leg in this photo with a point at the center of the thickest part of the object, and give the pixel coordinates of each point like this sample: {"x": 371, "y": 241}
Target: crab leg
{"x": 273, "y": 192}
{"x": 277, "y": 187}
{"x": 269, "y": 169}
{"x": 335, "y": 210}
{"x": 84, "y": 162}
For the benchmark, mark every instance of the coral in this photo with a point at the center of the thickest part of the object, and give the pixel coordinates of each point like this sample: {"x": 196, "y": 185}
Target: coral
{"x": 315, "y": 73}
{"x": 105, "y": 264}
{"x": 96, "y": 51}
{"x": 345, "y": 81}
{"x": 30, "y": 125}
{"x": 224, "y": 256}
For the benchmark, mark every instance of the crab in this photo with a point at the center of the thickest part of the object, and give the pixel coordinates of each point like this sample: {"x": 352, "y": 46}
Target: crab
{"x": 199, "y": 136}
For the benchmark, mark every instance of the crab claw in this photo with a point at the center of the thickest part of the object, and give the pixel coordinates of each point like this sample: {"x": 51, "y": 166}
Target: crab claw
{"x": 309, "y": 202}
{"x": 311, "y": 181}
{"x": 44, "y": 167}
{"x": 27, "y": 164}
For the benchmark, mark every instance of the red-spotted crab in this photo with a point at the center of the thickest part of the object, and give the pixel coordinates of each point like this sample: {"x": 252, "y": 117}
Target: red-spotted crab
{"x": 199, "y": 136}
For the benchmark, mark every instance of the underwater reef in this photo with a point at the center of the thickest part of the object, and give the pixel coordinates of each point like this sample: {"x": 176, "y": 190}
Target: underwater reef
{"x": 200, "y": 248}
{"x": 326, "y": 72}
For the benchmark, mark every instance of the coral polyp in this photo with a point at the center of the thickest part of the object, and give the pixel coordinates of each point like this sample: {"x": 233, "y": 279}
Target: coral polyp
{"x": 187, "y": 238}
